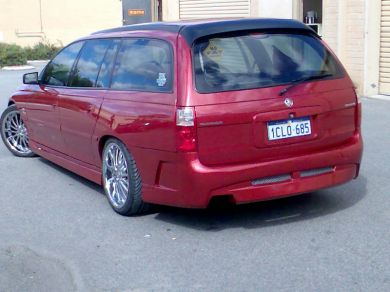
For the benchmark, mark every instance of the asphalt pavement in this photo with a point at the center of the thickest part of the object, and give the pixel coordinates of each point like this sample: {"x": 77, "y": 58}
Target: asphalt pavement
{"x": 58, "y": 232}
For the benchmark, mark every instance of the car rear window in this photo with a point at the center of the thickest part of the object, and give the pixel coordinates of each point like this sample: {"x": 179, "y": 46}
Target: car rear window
{"x": 144, "y": 65}
{"x": 259, "y": 60}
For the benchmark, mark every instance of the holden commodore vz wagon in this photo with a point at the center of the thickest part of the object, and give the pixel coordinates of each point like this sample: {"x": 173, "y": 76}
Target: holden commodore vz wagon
{"x": 180, "y": 113}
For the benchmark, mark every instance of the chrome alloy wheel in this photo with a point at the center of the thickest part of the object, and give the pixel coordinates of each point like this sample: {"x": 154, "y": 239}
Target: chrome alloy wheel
{"x": 15, "y": 133}
{"x": 115, "y": 175}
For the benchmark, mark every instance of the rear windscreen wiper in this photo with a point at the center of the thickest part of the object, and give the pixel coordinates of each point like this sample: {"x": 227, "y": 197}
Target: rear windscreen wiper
{"x": 299, "y": 81}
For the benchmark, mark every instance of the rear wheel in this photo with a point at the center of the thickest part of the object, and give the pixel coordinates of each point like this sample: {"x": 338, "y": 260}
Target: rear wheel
{"x": 14, "y": 132}
{"x": 121, "y": 179}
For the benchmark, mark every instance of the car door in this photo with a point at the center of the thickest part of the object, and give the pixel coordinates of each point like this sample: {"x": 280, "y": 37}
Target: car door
{"x": 42, "y": 106}
{"x": 79, "y": 104}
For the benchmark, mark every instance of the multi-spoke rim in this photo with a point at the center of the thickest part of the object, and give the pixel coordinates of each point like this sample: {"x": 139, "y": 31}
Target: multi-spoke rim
{"x": 115, "y": 175}
{"x": 15, "y": 133}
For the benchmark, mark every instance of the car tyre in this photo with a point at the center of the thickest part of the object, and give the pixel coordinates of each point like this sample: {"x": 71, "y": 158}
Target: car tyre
{"x": 14, "y": 133}
{"x": 121, "y": 180}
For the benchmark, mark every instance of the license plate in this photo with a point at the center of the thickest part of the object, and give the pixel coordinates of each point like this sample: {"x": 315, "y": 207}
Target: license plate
{"x": 288, "y": 128}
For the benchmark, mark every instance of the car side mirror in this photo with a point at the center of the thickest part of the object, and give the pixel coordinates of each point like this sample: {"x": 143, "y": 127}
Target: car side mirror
{"x": 31, "y": 78}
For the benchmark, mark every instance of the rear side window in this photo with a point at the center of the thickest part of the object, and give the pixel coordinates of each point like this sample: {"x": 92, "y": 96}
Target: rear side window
{"x": 88, "y": 65}
{"x": 144, "y": 65}
{"x": 58, "y": 70}
{"x": 259, "y": 60}
{"x": 106, "y": 67}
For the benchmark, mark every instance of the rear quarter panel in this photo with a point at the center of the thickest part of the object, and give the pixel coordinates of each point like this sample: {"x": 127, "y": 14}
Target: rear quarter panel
{"x": 141, "y": 124}
{"x": 143, "y": 121}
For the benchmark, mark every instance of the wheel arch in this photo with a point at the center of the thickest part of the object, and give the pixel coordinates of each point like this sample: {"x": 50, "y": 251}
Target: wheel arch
{"x": 102, "y": 141}
{"x": 138, "y": 154}
{"x": 11, "y": 102}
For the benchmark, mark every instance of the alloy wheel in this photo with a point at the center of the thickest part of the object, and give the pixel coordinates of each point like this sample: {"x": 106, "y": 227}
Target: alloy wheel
{"x": 15, "y": 133}
{"x": 115, "y": 175}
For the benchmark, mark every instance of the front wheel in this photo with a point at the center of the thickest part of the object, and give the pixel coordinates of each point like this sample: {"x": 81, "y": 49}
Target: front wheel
{"x": 14, "y": 132}
{"x": 121, "y": 179}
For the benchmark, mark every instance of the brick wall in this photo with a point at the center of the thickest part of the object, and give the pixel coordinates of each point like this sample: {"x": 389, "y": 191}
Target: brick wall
{"x": 354, "y": 41}
{"x": 330, "y": 23}
{"x": 343, "y": 30}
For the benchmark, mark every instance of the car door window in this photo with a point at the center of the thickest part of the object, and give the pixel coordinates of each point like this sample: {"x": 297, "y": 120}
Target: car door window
{"x": 58, "y": 70}
{"x": 87, "y": 67}
{"x": 107, "y": 65}
{"x": 144, "y": 65}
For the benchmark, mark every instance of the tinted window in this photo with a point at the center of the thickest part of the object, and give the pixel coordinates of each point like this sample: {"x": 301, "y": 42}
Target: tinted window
{"x": 259, "y": 60}
{"x": 143, "y": 64}
{"x": 58, "y": 70}
{"x": 236, "y": 56}
{"x": 108, "y": 63}
{"x": 88, "y": 65}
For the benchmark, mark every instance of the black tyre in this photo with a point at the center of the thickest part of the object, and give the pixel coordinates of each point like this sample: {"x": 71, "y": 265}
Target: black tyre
{"x": 121, "y": 179}
{"x": 14, "y": 132}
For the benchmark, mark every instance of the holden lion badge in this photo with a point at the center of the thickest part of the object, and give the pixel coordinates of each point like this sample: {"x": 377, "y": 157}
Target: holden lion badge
{"x": 288, "y": 102}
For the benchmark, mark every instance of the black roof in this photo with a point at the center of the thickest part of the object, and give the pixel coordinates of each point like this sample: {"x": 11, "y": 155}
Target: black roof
{"x": 192, "y": 30}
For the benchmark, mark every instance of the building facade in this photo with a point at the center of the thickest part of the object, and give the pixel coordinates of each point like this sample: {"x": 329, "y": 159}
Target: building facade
{"x": 26, "y": 22}
{"x": 357, "y": 30}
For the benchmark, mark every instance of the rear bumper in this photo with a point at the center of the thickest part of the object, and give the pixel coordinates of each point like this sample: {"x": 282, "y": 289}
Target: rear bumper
{"x": 189, "y": 183}
{"x": 246, "y": 192}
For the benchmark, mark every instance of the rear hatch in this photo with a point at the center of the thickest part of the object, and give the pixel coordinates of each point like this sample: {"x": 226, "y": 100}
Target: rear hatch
{"x": 261, "y": 97}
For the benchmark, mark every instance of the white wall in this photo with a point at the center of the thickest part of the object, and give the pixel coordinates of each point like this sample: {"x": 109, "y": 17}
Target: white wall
{"x": 22, "y": 22}
{"x": 275, "y": 9}
{"x": 372, "y": 47}
{"x": 170, "y": 10}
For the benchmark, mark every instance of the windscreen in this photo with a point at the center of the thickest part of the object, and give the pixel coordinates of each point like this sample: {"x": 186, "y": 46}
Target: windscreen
{"x": 259, "y": 60}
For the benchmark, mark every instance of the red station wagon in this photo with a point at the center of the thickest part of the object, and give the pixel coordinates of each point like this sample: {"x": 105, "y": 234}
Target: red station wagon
{"x": 180, "y": 113}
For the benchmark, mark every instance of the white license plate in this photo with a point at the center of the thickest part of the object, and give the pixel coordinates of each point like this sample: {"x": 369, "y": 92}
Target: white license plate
{"x": 289, "y": 128}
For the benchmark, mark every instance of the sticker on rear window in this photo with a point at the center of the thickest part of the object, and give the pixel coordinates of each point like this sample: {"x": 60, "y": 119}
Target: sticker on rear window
{"x": 213, "y": 51}
{"x": 161, "y": 80}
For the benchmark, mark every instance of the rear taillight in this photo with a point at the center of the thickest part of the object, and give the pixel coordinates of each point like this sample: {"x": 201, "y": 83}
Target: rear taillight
{"x": 186, "y": 130}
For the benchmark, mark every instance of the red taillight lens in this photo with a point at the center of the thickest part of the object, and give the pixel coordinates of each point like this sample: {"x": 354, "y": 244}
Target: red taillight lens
{"x": 186, "y": 130}
{"x": 186, "y": 139}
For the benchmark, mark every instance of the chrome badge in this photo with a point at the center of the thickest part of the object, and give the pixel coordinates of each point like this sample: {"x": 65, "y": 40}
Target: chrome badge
{"x": 288, "y": 102}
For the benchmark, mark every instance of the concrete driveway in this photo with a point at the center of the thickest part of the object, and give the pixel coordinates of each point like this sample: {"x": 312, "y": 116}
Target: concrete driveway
{"x": 58, "y": 232}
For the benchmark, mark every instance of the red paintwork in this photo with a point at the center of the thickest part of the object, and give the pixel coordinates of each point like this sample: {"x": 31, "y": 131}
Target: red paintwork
{"x": 69, "y": 127}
